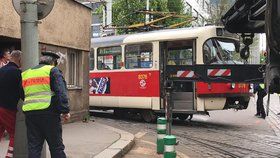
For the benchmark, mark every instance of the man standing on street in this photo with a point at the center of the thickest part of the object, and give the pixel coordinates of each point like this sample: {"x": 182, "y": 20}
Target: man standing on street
{"x": 45, "y": 100}
{"x": 261, "y": 94}
{"x": 10, "y": 93}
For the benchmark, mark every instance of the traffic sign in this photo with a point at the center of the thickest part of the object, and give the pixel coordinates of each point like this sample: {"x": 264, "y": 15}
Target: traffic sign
{"x": 44, "y": 7}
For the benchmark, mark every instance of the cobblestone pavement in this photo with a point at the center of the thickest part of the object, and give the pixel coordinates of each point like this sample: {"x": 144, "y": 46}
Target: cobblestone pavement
{"x": 274, "y": 108}
{"x": 225, "y": 134}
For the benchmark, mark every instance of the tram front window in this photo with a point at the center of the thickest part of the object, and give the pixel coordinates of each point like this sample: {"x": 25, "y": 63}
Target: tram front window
{"x": 220, "y": 51}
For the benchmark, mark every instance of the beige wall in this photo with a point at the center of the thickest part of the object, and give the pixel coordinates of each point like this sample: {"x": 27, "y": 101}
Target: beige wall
{"x": 9, "y": 20}
{"x": 68, "y": 24}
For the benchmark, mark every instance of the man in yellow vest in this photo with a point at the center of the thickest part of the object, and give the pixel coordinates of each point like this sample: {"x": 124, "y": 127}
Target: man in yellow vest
{"x": 45, "y": 101}
{"x": 260, "y": 89}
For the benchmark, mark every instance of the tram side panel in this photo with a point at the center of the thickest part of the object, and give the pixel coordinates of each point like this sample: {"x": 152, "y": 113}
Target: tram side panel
{"x": 235, "y": 95}
{"x": 130, "y": 89}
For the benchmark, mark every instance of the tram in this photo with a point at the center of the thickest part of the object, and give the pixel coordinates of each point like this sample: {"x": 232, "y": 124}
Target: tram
{"x": 127, "y": 72}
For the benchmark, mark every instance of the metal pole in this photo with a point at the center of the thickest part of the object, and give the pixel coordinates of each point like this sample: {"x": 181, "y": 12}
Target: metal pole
{"x": 147, "y": 8}
{"x": 167, "y": 115}
{"x": 30, "y": 58}
{"x": 109, "y": 12}
{"x": 29, "y": 33}
{"x": 169, "y": 106}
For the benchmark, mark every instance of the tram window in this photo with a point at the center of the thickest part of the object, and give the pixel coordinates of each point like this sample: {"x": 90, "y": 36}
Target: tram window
{"x": 180, "y": 53}
{"x": 220, "y": 51}
{"x": 109, "y": 58}
{"x": 139, "y": 56}
{"x": 91, "y": 60}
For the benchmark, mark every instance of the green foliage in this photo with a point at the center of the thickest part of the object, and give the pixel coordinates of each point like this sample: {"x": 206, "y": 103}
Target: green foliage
{"x": 221, "y": 7}
{"x": 124, "y": 12}
{"x": 175, "y": 6}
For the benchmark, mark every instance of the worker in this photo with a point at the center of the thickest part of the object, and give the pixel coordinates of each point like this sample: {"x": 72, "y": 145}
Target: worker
{"x": 45, "y": 102}
{"x": 260, "y": 89}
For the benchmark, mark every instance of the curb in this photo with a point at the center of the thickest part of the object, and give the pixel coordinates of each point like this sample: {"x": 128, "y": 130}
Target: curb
{"x": 119, "y": 148}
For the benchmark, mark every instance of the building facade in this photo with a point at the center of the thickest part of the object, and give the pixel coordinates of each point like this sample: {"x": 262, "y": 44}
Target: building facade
{"x": 66, "y": 30}
{"x": 200, "y": 9}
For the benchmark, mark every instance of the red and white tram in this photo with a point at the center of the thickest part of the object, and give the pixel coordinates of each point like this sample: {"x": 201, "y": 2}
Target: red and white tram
{"x": 126, "y": 72}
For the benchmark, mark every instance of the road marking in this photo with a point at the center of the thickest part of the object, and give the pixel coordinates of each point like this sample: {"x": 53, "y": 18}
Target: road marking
{"x": 140, "y": 135}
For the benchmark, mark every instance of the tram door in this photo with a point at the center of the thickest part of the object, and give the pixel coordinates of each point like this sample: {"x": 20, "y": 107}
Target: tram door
{"x": 180, "y": 53}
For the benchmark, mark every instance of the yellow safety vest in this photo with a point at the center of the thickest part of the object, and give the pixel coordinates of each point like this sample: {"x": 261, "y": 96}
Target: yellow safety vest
{"x": 37, "y": 89}
{"x": 262, "y": 86}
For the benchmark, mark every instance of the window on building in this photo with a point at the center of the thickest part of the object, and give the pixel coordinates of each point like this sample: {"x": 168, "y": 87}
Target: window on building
{"x": 91, "y": 60}
{"x": 201, "y": 20}
{"x": 195, "y": 13}
{"x": 188, "y": 8}
{"x": 109, "y": 58}
{"x": 139, "y": 56}
{"x": 73, "y": 68}
{"x": 180, "y": 52}
{"x": 206, "y": 5}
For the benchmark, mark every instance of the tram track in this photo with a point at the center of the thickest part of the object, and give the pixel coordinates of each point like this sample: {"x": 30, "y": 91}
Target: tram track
{"x": 246, "y": 137}
{"x": 221, "y": 147}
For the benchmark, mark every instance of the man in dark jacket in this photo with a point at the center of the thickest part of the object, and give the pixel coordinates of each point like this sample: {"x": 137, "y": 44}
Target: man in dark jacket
{"x": 45, "y": 101}
{"x": 10, "y": 93}
{"x": 260, "y": 89}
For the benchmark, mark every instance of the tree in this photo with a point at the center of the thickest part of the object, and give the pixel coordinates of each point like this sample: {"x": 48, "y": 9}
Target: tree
{"x": 218, "y": 9}
{"x": 125, "y": 12}
{"x": 175, "y": 6}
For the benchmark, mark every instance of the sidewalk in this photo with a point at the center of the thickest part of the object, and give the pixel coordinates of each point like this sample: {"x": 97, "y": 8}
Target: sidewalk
{"x": 88, "y": 140}
{"x": 273, "y": 119}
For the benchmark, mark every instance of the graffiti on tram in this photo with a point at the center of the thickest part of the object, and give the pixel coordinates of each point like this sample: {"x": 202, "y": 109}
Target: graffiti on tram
{"x": 99, "y": 85}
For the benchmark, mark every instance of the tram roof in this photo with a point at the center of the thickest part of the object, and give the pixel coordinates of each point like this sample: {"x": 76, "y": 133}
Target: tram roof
{"x": 158, "y": 35}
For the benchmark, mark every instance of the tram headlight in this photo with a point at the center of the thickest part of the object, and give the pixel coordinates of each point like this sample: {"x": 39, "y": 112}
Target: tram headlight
{"x": 251, "y": 86}
{"x": 232, "y": 86}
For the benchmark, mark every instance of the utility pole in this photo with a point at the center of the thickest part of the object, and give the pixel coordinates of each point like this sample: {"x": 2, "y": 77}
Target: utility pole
{"x": 30, "y": 58}
{"x": 147, "y": 8}
{"x": 29, "y": 33}
{"x": 109, "y": 12}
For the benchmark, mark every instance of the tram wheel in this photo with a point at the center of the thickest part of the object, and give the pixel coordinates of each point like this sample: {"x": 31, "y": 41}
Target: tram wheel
{"x": 191, "y": 116}
{"x": 183, "y": 117}
{"x": 118, "y": 113}
{"x": 148, "y": 116}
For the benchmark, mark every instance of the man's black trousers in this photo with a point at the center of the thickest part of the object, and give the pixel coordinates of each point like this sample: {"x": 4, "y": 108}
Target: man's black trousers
{"x": 41, "y": 127}
{"x": 260, "y": 107}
